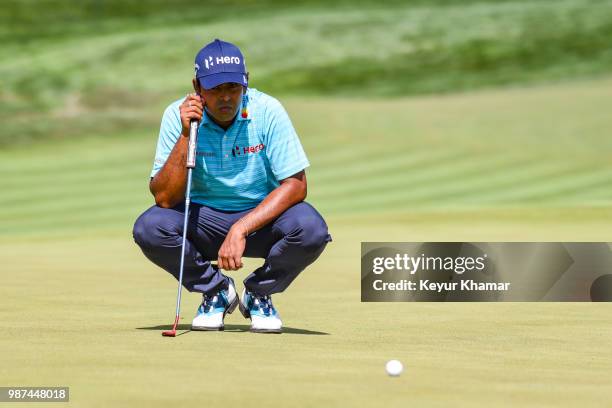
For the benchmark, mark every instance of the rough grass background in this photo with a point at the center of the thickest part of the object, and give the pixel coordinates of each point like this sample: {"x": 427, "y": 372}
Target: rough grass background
{"x": 122, "y": 61}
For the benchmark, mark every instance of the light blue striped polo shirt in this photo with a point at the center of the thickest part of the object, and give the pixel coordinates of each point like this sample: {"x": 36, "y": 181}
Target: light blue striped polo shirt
{"x": 238, "y": 167}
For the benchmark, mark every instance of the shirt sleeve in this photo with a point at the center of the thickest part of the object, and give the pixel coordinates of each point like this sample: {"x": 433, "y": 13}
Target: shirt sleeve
{"x": 282, "y": 144}
{"x": 169, "y": 132}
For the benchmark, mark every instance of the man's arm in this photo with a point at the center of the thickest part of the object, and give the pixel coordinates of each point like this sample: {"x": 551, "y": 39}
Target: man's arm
{"x": 168, "y": 185}
{"x": 292, "y": 190}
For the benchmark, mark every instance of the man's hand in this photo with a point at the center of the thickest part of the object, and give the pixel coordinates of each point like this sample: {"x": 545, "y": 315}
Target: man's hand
{"x": 292, "y": 190}
{"x": 191, "y": 108}
{"x": 230, "y": 253}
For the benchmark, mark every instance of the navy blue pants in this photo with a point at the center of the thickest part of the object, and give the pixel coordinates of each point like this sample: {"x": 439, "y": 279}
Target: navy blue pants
{"x": 288, "y": 244}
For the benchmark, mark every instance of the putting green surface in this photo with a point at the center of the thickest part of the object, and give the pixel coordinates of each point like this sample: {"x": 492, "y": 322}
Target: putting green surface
{"x": 82, "y": 307}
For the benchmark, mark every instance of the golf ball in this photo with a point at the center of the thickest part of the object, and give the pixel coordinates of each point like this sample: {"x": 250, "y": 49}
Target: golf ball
{"x": 394, "y": 368}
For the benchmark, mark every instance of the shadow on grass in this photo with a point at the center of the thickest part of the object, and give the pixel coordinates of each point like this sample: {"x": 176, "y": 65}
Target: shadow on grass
{"x": 237, "y": 328}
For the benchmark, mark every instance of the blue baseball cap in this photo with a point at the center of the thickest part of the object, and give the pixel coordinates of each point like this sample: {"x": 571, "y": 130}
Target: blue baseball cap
{"x": 220, "y": 62}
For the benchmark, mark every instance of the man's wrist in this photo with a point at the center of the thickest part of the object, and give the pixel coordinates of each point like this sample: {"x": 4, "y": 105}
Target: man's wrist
{"x": 241, "y": 228}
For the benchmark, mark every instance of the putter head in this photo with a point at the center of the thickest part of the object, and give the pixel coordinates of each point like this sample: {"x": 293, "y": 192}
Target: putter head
{"x": 172, "y": 333}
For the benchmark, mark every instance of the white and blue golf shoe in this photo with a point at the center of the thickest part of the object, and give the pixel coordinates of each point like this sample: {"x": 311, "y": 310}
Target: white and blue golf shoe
{"x": 214, "y": 306}
{"x": 264, "y": 317}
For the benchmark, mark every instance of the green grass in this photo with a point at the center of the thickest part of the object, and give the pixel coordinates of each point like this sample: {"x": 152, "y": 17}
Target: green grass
{"x": 99, "y": 70}
{"x": 95, "y": 326}
{"x": 494, "y": 149}
{"x": 82, "y": 307}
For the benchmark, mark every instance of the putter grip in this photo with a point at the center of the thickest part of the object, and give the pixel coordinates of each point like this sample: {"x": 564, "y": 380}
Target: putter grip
{"x": 193, "y": 142}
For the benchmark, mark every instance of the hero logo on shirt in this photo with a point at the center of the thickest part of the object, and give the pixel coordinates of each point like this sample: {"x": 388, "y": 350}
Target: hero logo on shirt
{"x": 249, "y": 149}
{"x": 210, "y": 62}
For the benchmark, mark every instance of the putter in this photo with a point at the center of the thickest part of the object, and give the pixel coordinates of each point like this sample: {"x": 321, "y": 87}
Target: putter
{"x": 191, "y": 157}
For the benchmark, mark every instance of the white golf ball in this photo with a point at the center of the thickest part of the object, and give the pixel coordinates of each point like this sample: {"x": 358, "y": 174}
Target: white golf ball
{"x": 394, "y": 368}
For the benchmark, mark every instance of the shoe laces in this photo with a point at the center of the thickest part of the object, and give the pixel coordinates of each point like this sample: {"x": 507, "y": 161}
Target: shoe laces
{"x": 264, "y": 304}
{"x": 209, "y": 302}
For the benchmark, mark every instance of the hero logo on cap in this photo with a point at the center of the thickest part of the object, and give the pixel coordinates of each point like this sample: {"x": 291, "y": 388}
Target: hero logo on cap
{"x": 209, "y": 62}
{"x": 220, "y": 62}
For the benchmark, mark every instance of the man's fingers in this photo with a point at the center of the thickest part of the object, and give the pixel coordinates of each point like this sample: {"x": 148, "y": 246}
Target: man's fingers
{"x": 192, "y": 103}
{"x": 229, "y": 263}
{"x": 221, "y": 263}
{"x": 196, "y": 105}
{"x": 193, "y": 108}
{"x": 193, "y": 113}
{"x": 238, "y": 262}
{"x": 194, "y": 100}
{"x": 229, "y": 256}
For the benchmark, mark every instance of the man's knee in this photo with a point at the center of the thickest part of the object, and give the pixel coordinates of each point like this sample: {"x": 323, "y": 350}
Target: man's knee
{"x": 309, "y": 227}
{"x": 144, "y": 228}
{"x": 153, "y": 227}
